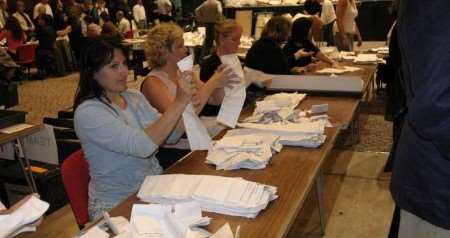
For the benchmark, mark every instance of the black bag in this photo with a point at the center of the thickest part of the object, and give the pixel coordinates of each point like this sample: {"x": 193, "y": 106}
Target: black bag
{"x": 8, "y": 94}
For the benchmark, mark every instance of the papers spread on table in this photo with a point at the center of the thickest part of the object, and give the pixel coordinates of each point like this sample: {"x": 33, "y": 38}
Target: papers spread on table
{"x": 366, "y": 59}
{"x": 196, "y": 132}
{"x": 23, "y": 218}
{"x": 15, "y": 128}
{"x": 243, "y": 150}
{"x": 344, "y": 69}
{"x": 234, "y": 97}
{"x": 230, "y": 196}
{"x": 277, "y": 115}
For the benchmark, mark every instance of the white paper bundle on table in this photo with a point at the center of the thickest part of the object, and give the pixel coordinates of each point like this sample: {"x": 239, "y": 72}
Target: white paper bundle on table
{"x": 41, "y": 146}
{"x": 196, "y": 132}
{"x": 234, "y": 97}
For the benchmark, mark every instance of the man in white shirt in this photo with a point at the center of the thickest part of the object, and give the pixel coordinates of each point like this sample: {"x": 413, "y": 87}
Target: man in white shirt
{"x": 25, "y": 21}
{"x": 328, "y": 17}
{"x": 123, "y": 24}
{"x": 139, "y": 14}
{"x": 44, "y": 4}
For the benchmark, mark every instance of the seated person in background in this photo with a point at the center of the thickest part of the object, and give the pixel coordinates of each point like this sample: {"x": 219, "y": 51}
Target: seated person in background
{"x": 109, "y": 31}
{"x": 14, "y": 35}
{"x": 63, "y": 29}
{"x": 227, "y": 38}
{"x": 24, "y": 20}
{"x": 4, "y": 15}
{"x": 266, "y": 54}
{"x": 119, "y": 131}
{"x": 104, "y": 18}
{"x": 139, "y": 14}
{"x": 301, "y": 49}
{"x": 123, "y": 24}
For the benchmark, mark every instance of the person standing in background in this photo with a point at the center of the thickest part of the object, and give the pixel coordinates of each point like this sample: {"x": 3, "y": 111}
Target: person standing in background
{"x": 209, "y": 13}
{"x": 328, "y": 17}
{"x": 42, "y": 4}
{"x": 346, "y": 28}
{"x": 139, "y": 14}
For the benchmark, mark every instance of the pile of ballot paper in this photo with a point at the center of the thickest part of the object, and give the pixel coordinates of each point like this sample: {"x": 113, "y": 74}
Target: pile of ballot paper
{"x": 344, "y": 69}
{"x": 230, "y": 196}
{"x": 24, "y": 218}
{"x": 241, "y": 150}
{"x": 367, "y": 59}
{"x": 276, "y": 115}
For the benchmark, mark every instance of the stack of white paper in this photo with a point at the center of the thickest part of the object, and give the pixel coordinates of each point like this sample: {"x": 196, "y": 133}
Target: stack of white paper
{"x": 23, "y": 219}
{"x": 345, "y": 69}
{"x": 381, "y": 50}
{"x": 230, "y": 196}
{"x": 366, "y": 59}
{"x": 250, "y": 151}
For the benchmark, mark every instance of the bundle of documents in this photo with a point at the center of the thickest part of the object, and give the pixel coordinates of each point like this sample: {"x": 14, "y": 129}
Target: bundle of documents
{"x": 168, "y": 221}
{"x": 381, "y": 50}
{"x": 345, "y": 69}
{"x": 230, "y": 196}
{"x": 366, "y": 59}
{"x": 278, "y": 102}
{"x": 240, "y": 150}
{"x": 24, "y": 218}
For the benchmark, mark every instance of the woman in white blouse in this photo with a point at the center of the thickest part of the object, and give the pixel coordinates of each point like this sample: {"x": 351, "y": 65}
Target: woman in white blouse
{"x": 346, "y": 27}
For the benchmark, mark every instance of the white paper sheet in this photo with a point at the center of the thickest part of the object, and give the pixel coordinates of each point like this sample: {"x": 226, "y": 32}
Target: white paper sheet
{"x": 95, "y": 232}
{"x": 15, "y": 128}
{"x": 196, "y": 132}
{"x": 224, "y": 232}
{"x": 234, "y": 98}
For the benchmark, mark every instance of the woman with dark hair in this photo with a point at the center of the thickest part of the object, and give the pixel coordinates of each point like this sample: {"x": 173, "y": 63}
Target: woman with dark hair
{"x": 14, "y": 35}
{"x": 266, "y": 54}
{"x": 120, "y": 132}
{"x": 301, "y": 40}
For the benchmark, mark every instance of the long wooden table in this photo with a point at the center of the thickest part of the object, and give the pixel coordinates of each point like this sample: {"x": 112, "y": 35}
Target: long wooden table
{"x": 294, "y": 171}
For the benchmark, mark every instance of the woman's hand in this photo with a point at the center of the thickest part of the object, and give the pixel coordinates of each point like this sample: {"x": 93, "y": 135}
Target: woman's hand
{"x": 298, "y": 70}
{"x": 358, "y": 36}
{"x": 225, "y": 77}
{"x": 185, "y": 88}
{"x": 311, "y": 67}
{"x": 302, "y": 53}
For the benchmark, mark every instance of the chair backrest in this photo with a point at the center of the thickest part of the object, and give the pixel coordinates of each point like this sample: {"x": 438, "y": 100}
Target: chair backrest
{"x": 75, "y": 176}
{"x": 26, "y": 53}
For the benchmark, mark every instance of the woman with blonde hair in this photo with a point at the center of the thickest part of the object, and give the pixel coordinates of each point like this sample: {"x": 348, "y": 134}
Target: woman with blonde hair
{"x": 164, "y": 47}
{"x": 227, "y": 39}
{"x": 346, "y": 28}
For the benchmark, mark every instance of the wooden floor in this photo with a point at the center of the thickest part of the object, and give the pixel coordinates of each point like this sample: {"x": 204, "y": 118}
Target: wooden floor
{"x": 357, "y": 202}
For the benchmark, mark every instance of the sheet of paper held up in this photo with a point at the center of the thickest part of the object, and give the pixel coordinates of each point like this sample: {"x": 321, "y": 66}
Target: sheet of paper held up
{"x": 196, "y": 132}
{"x": 234, "y": 97}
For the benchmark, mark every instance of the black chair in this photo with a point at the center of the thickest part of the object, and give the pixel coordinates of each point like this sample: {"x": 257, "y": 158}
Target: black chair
{"x": 64, "y": 123}
{"x": 65, "y": 115}
{"x": 65, "y": 133}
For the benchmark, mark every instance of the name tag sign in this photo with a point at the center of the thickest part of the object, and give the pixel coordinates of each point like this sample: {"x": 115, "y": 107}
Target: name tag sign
{"x": 41, "y": 146}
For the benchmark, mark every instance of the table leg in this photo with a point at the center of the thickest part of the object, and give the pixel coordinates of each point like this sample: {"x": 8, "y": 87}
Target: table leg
{"x": 26, "y": 167}
{"x": 320, "y": 205}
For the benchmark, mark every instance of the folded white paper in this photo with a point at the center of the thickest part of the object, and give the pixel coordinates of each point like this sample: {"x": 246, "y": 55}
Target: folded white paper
{"x": 345, "y": 69}
{"x": 234, "y": 97}
{"x": 22, "y": 219}
{"x": 196, "y": 132}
